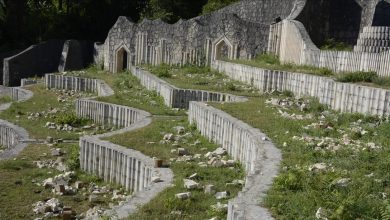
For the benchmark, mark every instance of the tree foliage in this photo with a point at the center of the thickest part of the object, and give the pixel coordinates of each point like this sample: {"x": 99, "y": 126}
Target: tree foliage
{"x": 26, "y": 22}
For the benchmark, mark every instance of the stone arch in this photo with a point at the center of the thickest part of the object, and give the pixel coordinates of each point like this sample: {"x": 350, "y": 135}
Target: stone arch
{"x": 122, "y": 59}
{"x": 382, "y": 14}
{"x": 332, "y": 19}
{"x": 223, "y": 49}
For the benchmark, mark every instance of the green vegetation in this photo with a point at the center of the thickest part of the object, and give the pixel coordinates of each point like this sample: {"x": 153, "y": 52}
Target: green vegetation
{"x": 202, "y": 78}
{"x": 213, "y": 5}
{"x": 365, "y": 78}
{"x": 269, "y": 61}
{"x": 5, "y": 99}
{"x": 40, "y": 109}
{"x": 297, "y": 193}
{"x": 129, "y": 92}
{"x": 147, "y": 140}
{"x": 19, "y": 179}
{"x": 332, "y": 44}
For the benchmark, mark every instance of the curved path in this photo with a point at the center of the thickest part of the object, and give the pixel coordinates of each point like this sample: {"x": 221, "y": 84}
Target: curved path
{"x": 244, "y": 143}
{"x": 13, "y": 137}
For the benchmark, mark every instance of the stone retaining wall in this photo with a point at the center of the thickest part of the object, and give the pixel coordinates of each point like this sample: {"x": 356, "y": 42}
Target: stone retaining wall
{"x": 247, "y": 145}
{"x": 116, "y": 164}
{"x": 11, "y": 138}
{"x": 345, "y": 97}
{"x": 53, "y": 81}
{"x": 180, "y": 98}
{"x": 16, "y": 93}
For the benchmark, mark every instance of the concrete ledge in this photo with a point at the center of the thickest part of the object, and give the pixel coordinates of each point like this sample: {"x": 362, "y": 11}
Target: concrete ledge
{"x": 116, "y": 164}
{"x": 344, "y": 97}
{"x": 16, "y": 93}
{"x": 179, "y": 98}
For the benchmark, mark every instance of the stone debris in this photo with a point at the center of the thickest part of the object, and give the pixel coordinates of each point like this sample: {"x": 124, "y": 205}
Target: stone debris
{"x": 190, "y": 184}
{"x": 179, "y": 129}
{"x": 222, "y": 195}
{"x": 343, "y": 182}
{"x": 182, "y": 196}
{"x": 321, "y": 214}
{"x": 50, "y": 206}
{"x": 318, "y": 167}
{"x": 209, "y": 189}
{"x": 220, "y": 207}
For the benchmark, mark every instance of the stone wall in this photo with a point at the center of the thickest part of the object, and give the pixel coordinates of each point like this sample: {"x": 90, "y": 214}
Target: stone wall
{"x": 76, "y": 55}
{"x": 116, "y": 164}
{"x": 259, "y": 157}
{"x": 12, "y": 139}
{"x": 344, "y": 97}
{"x": 16, "y": 93}
{"x": 180, "y": 98}
{"x": 34, "y": 61}
{"x": 2, "y": 57}
{"x": 53, "y": 81}
{"x": 290, "y": 41}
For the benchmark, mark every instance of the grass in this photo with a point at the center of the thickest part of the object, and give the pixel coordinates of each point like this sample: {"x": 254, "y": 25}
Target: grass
{"x": 42, "y": 101}
{"x": 198, "y": 207}
{"x": 268, "y": 61}
{"x": 5, "y": 99}
{"x": 332, "y": 44}
{"x": 298, "y": 193}
{"x": 18, "y": 190}
{"x": 129, "y": 92}
{"x": 365, "y": 78}
{"x": 200, "y": 78}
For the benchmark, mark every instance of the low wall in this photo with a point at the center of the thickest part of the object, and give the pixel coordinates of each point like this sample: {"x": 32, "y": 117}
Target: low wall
{"x": 345, "y": 97}
{"x": 34, "y": 61}
{"x": 16, "y": 93}
{"x": 290, "y": 41}
{"x": 245, "y": 144}
{"x": 53, "y": 81}
{"x": 180, "y": 98}
{"x": 11, "y": 138}
{"x": 116, "y": 164}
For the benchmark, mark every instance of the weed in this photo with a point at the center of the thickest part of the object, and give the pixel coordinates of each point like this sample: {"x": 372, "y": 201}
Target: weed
{"x": 357, "y": 77}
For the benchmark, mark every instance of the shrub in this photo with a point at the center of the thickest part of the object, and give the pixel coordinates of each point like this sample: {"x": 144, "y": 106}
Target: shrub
{"x": 70, "y": 119}
{"x": 162, "y": 71}
{"x": 332, "y": 44}
{"x": 73, "y": 160}
{"x": 357, "y": 77}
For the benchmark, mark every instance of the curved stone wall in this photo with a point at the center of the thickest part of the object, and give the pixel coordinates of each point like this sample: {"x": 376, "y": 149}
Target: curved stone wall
{"x": 259, "y": 157}
{"x": 53, "y": 81}
{"x": 12, "y": 139}
{"x": 180, "y": 98}
{"x": 345, "y": 97}
{"x": 247, "y": 145}
{"x": 116, "y": 164}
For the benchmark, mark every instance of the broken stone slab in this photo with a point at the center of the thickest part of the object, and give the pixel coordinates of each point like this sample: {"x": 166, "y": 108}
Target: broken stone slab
{"x": 190, "y": 184}
{"x": 49, "y": 140}
{"x": 209, "y": 189}
{"x": 220, "y": 151}
{"x": 56, "y": 152}
{"x": 343, "y": 182}
{"x": 93, "y": 198}
{"x": 222, "y": 195}
{"x": 318, "y": 167}
{"x": 179, "y": 129}
{"x": 182, "y": 151}
{"x": 78, "y": 184}
{"x": 220, "y": 207}
{"x": 182, "y": 196}
{"x": 59, "y": 189}
{"x": 169, "y": 137}
{"x": 156, "y": 179}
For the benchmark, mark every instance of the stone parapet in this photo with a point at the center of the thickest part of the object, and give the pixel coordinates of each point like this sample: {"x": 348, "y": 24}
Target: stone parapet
{"x": 259, "y": 157}
{"x": 344, "y": 97}
{"x": 179, "y": 98}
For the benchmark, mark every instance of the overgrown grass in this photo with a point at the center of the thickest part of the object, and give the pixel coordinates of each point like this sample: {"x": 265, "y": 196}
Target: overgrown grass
{"x": 332, "y": 44}
{"x": 129, "y": 92}
{"x": 19, "y": 189}
{"x": 298, "y": 193}
{"x": 42, "y": 101}
{"x": 5, "y": 99}
{"x": 201, "y": 78}
{"x": 365, "y": 78}
{"x": 147, "y": 140}
{"x": 269, "y": 61}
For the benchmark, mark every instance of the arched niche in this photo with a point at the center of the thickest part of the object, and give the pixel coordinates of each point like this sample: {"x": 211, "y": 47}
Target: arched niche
{"x": 223, "y": 49}
{"x": 122, "y": 59}
{"x": 382, "y": 14}
{"x": 332, "y": 19}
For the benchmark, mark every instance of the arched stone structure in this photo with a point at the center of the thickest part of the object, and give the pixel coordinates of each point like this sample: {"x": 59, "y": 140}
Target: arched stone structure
{"x": 382, "y": 14}
{"x": 122, "y": 59}
{"x": 332, "y": 19}
{"x": 223, "y": 49}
